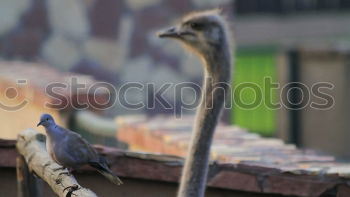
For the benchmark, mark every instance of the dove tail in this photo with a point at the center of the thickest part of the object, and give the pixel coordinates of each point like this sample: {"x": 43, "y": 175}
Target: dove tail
{"x": 106, "y": 173}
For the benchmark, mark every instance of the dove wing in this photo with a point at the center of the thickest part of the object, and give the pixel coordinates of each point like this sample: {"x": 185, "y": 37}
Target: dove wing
{"x": 75, "y": 151}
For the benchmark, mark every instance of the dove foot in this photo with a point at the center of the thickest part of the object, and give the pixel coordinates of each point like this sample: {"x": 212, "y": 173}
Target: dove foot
{"x": 71, "y": 189}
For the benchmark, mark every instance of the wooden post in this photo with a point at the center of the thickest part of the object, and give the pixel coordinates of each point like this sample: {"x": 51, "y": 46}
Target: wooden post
{"x": 31, "y": 145}
{"x": 27, "y": 184}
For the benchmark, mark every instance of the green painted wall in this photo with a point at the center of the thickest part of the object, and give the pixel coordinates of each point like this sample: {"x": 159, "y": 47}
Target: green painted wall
{"x": 253, "y": 66}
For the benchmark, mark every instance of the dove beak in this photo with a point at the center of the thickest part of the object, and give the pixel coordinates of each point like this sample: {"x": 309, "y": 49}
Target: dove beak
{"x": 40, "y": 123}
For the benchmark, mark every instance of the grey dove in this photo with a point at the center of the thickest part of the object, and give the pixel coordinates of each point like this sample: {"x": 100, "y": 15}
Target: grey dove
{"x": 70, "y": 150}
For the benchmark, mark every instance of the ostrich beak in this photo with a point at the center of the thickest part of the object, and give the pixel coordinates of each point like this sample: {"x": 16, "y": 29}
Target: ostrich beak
{"x": 169, "y": 33}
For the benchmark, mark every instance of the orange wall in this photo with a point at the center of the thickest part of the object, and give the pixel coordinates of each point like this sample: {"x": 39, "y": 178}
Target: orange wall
{"x": 13, "y": 122}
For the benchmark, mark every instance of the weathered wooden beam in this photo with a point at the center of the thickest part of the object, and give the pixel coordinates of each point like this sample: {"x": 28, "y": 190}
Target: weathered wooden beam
{"x": 27, "y": 184}
{"x": 31, "y": 145}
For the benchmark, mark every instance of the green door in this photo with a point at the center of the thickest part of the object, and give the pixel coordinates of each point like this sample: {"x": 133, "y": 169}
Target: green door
{"x": 252, "y": 67}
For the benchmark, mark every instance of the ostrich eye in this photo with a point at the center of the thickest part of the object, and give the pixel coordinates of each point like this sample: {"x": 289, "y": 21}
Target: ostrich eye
{"x": 197, "y": 26}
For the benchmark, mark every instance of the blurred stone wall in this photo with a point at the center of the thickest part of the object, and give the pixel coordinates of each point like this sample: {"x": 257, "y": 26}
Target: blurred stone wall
{"x": 113, "y": 40}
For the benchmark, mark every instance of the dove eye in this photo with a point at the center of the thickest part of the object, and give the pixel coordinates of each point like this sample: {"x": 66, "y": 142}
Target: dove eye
{"x": 47, "y": 119}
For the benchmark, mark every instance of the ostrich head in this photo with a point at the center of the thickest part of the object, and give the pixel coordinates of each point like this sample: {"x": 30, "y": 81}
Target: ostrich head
{"x": 204, "y": 32}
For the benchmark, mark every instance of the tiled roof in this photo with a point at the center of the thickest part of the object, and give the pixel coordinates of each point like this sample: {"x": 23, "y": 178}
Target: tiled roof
{"x": 243, "y": 161}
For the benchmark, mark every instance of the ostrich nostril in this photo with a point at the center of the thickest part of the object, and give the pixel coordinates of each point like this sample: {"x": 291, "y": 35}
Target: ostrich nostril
{"x": 172, "y": 29}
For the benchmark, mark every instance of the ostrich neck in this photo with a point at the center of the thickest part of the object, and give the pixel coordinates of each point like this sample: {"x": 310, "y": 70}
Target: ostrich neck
{"x": 216, "y": 79}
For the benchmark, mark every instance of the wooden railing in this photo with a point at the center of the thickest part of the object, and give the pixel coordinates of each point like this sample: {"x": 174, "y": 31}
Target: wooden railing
{"x": 35, "y": 160}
